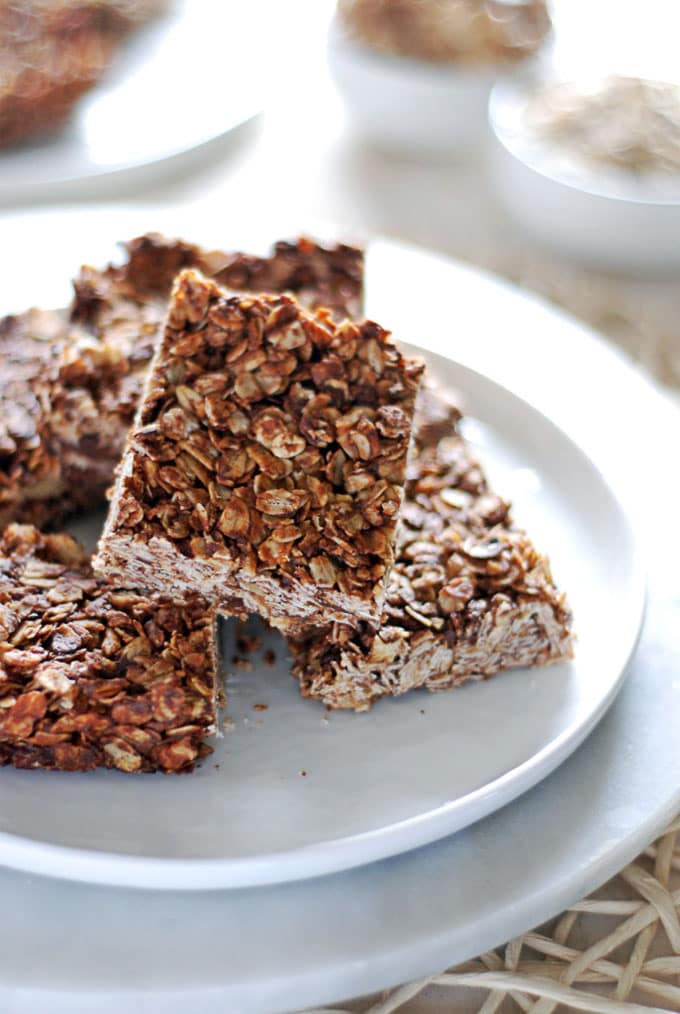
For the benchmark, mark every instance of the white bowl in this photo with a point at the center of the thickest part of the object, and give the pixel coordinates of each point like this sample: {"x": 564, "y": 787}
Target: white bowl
{"x": 408, "y": 105}
{"x": 607, "y": 219}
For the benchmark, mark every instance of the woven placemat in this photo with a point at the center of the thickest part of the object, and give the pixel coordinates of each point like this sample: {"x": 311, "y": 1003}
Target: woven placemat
{"x": 617, "y": 951}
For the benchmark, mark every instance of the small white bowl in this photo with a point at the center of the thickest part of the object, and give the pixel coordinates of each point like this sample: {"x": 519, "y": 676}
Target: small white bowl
{"x": 402, "y": 104}
{"x": 607, "y": 219}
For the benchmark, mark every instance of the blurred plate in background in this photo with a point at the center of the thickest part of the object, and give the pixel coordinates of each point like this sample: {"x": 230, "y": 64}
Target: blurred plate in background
{"x": 177, "y": 84}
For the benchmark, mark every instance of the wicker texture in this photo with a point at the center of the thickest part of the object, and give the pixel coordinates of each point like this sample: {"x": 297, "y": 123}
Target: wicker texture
{"x": 616, "y": 952}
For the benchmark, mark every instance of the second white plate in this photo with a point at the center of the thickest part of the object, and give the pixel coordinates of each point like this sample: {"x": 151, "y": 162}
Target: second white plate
{"x": 293, "y": 792}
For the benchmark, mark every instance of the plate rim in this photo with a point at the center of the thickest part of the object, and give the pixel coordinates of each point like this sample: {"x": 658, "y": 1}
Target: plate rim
{"x": 335, "y": 855}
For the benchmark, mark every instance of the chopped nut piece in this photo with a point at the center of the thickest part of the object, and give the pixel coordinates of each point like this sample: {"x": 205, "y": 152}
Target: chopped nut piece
{"x": 248, "y": 643}
{"x": 469, "y": 595}
{"x": 242, "y": 664}
{"x": 277, "y": 538}
{"x": 114, "y": 685}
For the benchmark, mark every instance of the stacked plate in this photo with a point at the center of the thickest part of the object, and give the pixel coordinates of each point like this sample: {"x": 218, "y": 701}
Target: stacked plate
{"x": 252, "y": 886}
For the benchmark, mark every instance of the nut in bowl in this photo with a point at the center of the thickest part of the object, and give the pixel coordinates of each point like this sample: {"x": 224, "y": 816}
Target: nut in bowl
{"x": 416, "y": 77}
{"x": 592, "y": 169}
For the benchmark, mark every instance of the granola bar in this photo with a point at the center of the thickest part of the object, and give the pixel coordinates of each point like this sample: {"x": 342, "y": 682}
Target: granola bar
{"x": 61, "y": 425}
{"x": 70, "y": 382}
{"x": 94, "y": 676}
{"x": 121, "y": 311}
{"x": 267, "y": 462}
{"x": 469, "y": 595}
{"x": 30, "y": 468}
{"x": 329, "y": 276}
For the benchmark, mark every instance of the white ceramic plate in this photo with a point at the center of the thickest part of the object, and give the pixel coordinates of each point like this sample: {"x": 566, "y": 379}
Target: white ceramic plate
{"x": 75, "y": 948}
{"x": 175, "y": 86}
{"x": 405, "y": 774}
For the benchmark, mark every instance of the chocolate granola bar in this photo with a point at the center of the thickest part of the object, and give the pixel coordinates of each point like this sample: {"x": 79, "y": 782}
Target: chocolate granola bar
{"x": 267, "y": 462}
{"x": 121, "y": 311}
{"x": 469, "y": 595}
{"x": 70, "y": 382}
{"x": 95, "y": 676}
{"x": 31, "y": 472}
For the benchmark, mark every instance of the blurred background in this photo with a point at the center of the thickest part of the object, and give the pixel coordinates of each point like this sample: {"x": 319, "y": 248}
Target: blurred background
{"x": 372, "y": 115}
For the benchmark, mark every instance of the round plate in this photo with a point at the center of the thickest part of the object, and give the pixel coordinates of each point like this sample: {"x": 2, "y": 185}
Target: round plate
{"x": 285, "y": 794}
{"x": 77, "y": 948}
{"x": 144, "y": 112}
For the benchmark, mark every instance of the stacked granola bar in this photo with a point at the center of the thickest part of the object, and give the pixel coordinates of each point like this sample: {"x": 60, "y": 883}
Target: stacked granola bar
{"x": 70, "y": 381}
{"x": 281, "y": 462}
{"x": 93, "y": 675}
{"x": 267, "y": 462}
{"x": 469, "y": 595}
